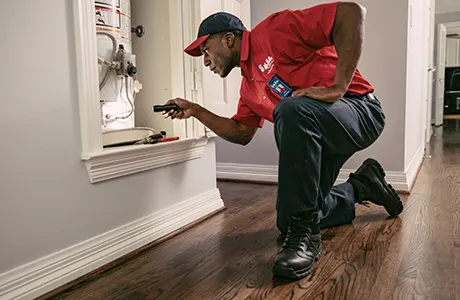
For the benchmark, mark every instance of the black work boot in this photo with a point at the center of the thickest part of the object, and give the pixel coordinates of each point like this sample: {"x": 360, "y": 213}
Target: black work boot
{"x": 301, "y": 247}
{"x": 370, "y": 185}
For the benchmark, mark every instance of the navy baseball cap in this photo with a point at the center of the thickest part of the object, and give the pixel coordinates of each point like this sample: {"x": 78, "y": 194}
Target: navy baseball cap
{"x": 215, "y": 23}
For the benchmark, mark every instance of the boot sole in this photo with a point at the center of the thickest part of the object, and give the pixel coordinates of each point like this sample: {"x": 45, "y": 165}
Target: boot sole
{"x": 395, "y": 206}
{"x": 296, "y": 274}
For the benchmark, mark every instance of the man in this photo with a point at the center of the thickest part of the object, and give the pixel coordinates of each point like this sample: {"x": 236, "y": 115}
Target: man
{"x": 299, "y": 70}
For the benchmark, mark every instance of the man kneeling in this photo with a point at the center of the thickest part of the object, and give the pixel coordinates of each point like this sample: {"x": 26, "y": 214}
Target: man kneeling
{"x": 299, "y": 71}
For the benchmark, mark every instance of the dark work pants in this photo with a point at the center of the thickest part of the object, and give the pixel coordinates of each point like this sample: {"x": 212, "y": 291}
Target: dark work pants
{"x": 315, "y": 139}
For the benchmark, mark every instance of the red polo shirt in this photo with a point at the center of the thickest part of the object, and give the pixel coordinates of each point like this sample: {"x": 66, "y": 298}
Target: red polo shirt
{"x": 296, "y": 46}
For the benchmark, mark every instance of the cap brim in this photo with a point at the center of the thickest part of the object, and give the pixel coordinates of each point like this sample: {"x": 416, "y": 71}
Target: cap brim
{"x": 194, "y": 48}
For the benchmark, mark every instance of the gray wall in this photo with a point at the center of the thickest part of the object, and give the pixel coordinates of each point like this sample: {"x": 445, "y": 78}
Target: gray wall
{"x": 47, "y": 202}
{"x": 154, "y": 59}
{"x": 448, "y": 17}
{"x": 383, "y": 63}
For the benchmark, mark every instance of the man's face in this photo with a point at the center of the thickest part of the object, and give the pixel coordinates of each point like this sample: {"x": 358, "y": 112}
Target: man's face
{"x": 217, "y": 54}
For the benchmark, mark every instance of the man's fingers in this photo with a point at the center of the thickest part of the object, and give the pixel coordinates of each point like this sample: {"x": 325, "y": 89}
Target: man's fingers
{"x": 302, "y": 92}
{"x": 180, "y": 115}
{"x": 174, "y": 114}
{"x": 167, "y": 114}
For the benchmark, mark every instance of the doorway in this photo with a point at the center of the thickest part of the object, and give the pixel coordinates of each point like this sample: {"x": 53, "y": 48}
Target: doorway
{"x": 447, "y": 82}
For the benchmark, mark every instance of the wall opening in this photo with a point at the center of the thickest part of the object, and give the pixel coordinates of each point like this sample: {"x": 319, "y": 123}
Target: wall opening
{"x": 135, "y": 71}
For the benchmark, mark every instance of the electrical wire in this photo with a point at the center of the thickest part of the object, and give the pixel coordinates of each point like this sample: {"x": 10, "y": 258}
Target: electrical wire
{"x": 131, "y": 102}
{"x": 114, "y": 52}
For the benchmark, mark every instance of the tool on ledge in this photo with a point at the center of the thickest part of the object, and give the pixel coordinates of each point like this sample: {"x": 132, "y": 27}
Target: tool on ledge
{"x": 150, "y": 138}
{"x": 156, "y": 138}
{"x": 168, "y": 107}
{"x": 163, "y": 140}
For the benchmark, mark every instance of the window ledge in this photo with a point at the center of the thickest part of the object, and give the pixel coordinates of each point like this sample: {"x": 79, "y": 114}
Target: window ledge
{"x": 123, "y": 161}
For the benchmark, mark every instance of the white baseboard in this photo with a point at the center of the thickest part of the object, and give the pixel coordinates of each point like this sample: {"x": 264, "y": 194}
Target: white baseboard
{"x": 401, "y": 181}
{"x": 48, "y": 273}
{"x": 260, "y": 173}
{"x": 414, "y": 166}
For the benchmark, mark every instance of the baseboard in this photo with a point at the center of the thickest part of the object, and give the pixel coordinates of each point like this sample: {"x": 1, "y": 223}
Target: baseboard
{"x": 48, "y": 273}
{"x": 401, "y": 181}
{"x": 246, "y": 172}
{"x": 414, "y": 166}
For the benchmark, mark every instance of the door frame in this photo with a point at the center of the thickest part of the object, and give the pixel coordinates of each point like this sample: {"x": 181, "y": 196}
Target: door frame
{"x": 106, "y": 164}
{"x": 434, "y": 109}
{"x": 430, "y": 71}
{"x": 193, "y": 67}
{"x": 439, "y": 99}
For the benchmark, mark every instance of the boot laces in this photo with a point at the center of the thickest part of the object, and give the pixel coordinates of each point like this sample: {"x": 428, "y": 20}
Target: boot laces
{"x": 361, "y": 194}
{"x": 297, "y": 233}
{"x": 365, "y": 203}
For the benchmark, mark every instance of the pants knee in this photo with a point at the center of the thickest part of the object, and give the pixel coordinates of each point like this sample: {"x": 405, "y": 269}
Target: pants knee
{"x": 292, "y": 108}
{"x": 284, "y": 109}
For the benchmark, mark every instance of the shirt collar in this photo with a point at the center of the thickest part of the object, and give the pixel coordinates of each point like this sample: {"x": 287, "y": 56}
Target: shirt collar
{"x": 245, "y": 46}
{"x": 244, "y": 49}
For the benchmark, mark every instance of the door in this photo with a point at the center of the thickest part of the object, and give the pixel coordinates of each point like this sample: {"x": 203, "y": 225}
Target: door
{"x": 431, "y": 69}
{"x": 440, "y": 73}
{"x": 221, "y": 95}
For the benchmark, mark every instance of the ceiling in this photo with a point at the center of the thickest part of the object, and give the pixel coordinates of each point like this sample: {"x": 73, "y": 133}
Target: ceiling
{"x": 447, "y": 6}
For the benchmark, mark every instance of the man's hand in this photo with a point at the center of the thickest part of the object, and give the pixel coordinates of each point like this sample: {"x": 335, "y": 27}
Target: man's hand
{"x": 326, "y": 94}
{"x": 185, "y": 111}
{"x": 226, "y": 128}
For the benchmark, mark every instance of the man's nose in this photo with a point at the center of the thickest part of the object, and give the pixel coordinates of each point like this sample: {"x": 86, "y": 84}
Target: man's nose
{"x": 206, "y": 61}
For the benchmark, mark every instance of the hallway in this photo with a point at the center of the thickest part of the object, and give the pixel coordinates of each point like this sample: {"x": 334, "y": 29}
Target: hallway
{"x": 229, "y": 256}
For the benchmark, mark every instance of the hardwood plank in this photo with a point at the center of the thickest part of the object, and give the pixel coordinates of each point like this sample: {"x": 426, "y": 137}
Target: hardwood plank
{"x": 457, "y": 272}
{"x": 418, "y": 233}
{"x": 230, "y": 255}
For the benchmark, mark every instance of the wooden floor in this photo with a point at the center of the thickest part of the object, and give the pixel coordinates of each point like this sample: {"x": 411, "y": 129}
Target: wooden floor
{"x": 229, "y": 256}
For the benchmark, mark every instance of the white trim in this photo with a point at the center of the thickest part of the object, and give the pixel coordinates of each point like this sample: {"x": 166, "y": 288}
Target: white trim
{"x": 401, "y": 181}
{"x": 124, "y": 161}
{"x": 397, "y": 179}
{"x": 414, "y": 166}
{"x": 87, "y": 76}
{"x": 262, "y": 173}
{"x": 177, "y": 61}
{"x": 50, "y": 272}
{"x": 105, "y": 164}
{"x": 193, "y": 67}
{"x": 211, "y": 134}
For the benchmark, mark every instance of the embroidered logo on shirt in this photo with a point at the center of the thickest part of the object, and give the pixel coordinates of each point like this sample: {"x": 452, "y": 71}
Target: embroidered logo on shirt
{"x": 267, "y": 65}
{"x": 280, "y": 87}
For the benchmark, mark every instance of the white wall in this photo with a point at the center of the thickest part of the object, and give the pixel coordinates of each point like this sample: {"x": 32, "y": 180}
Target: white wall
{"x": 383, "y": 63}
{"x": 47, "y": 202}
{"x": 416, "y": 93}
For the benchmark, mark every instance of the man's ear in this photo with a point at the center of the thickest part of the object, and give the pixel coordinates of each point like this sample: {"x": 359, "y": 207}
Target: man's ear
{"x": 229, "y": 38}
